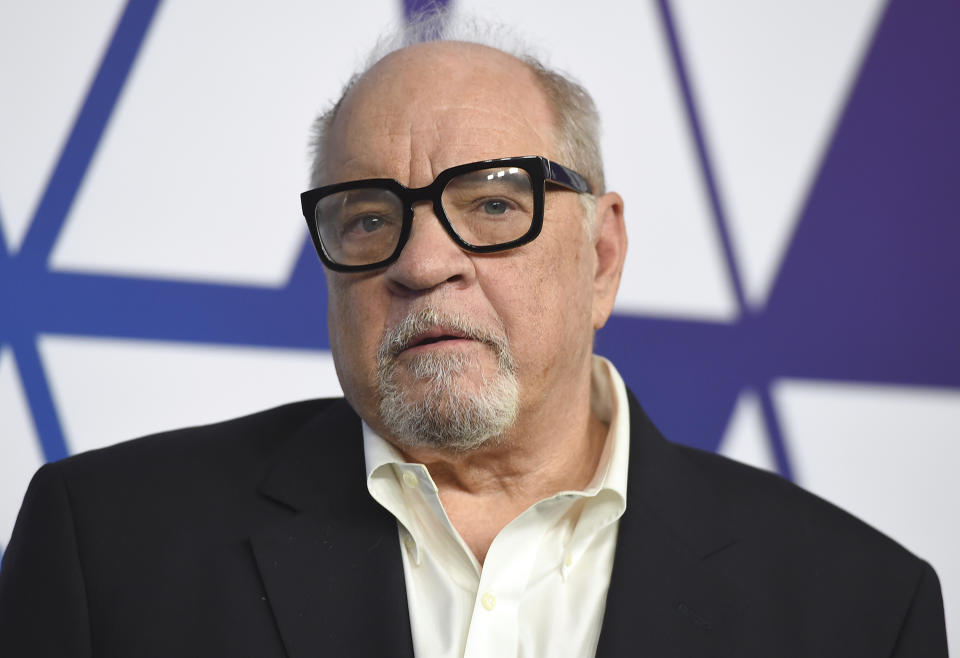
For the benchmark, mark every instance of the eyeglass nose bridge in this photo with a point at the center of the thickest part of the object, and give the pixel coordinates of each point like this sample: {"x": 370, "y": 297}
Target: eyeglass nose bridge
{"x": 432, "y": 193}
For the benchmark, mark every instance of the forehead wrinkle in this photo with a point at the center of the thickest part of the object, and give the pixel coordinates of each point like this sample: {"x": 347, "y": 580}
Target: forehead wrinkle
{"x": 490, "y": 129}
{"x": 408, "y": 120}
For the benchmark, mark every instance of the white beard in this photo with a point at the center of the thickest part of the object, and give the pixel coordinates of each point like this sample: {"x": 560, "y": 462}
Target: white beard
{"x": 451, "y": 413}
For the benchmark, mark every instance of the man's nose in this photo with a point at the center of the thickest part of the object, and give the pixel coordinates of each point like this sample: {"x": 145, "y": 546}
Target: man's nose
{"x": 430, "y": 257}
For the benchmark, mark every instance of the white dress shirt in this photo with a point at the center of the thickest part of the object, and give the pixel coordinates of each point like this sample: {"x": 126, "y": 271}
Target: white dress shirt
{"x": 543, "y": 585}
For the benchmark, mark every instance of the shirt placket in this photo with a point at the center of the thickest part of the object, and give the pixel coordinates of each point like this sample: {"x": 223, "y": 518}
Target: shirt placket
{"x": 494, "y": 625}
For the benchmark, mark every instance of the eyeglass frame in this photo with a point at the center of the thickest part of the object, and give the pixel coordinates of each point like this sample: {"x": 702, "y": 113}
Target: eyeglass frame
{"x": 540, "y": 170}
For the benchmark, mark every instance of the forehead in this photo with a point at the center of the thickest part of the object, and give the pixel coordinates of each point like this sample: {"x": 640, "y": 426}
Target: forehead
{"x": 432, "y": 106}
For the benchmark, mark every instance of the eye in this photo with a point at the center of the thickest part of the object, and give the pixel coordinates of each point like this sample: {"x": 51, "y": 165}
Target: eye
{"x": 364, "y": 224}
{"x": 495, "y": 207}
{"x": 371, "y": 223}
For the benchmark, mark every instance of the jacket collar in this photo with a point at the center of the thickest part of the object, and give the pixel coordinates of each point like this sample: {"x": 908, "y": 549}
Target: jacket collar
{"x": 332, "y": 568}
{"x": 663, "y": 598}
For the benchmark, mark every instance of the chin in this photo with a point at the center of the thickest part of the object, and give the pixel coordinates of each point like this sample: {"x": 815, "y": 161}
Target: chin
{"x": 447, "y": 401}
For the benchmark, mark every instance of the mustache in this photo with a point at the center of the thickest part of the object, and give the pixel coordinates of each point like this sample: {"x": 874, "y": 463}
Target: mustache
{"x": 416, "y": 323}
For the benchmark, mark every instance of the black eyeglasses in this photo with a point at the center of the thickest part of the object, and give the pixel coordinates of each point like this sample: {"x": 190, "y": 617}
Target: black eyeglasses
{"x": 485, "y": 206}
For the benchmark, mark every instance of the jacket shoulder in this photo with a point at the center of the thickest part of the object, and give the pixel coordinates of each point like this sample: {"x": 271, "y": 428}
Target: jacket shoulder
{"x": 786, "y": 572}
{"x": 191, "y": 468}
{"x": 259, "y": 433}
{"x": 807, "y": 550}
{"x": 759, "y": 503}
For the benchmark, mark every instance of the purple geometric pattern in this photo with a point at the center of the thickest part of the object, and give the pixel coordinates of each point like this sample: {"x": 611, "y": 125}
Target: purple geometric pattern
{"x": 867, "y": 291}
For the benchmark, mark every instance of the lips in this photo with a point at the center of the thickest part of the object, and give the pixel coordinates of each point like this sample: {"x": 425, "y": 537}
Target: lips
{"x": 435, "y": 335}
{"x": 428, "y": 329}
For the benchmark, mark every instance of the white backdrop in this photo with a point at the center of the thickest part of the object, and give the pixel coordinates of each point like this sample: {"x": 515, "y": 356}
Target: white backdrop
{"x": 197, "y": 175}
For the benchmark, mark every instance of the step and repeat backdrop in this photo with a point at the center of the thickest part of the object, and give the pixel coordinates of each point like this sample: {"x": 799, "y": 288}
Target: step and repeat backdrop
{"x": 792, "y": 292}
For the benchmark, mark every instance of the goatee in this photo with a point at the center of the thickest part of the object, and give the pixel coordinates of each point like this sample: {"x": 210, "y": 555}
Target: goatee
{"x": 445, "y": 409}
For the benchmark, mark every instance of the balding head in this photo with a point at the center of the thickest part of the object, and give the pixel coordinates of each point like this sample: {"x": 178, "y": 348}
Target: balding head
{"x": 428, "y": 103}
{"x": 573, "y": 118}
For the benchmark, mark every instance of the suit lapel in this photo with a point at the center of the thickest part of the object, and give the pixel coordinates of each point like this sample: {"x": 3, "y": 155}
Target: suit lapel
{"x": 332, "y": 569}
{"x": 663, "y": 598}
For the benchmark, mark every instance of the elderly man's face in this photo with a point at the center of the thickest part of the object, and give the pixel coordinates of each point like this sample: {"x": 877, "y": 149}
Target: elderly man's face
{"x": 519, "y": 320}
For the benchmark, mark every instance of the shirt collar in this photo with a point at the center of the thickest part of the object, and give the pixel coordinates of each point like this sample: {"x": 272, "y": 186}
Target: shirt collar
{"x": 608, "y": 398}
{"x": 377, "y": 451}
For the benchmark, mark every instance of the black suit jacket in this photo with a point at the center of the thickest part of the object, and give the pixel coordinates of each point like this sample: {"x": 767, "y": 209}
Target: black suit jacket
{"x": 257, "y": 537}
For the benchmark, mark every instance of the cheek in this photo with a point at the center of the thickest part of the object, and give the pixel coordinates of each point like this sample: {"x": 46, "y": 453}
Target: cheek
{"x": 352, "y": 308}
{"x": 355, "y": 329}
{"x": 566, "y": 293}
{"x": 543, "y": 297}
{"x": 563, "y": 280}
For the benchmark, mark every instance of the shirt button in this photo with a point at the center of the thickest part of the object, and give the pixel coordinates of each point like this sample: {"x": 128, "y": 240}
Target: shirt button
{"x": 410, "y": 479}
{"x": 569, "y": 560}
{"x": 488, "y": 601}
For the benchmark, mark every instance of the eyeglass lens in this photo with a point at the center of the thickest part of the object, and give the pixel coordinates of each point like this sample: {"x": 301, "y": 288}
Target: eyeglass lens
{"x": 485, "y": 207}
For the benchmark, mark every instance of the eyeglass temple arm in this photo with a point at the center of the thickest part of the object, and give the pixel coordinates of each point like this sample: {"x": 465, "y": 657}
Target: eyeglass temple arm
{"x": 557, "y": 173}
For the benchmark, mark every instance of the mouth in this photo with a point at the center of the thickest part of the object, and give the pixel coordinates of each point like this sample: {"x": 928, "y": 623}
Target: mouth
{"x": 435, "y": 336}
{"x": 429, "y": 332}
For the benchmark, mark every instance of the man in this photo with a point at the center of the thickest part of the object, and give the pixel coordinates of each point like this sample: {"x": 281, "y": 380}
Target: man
{"x": 489, "y": 487}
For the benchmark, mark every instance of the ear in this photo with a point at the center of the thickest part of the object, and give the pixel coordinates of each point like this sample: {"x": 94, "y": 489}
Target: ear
{"x": 610, "y": 245}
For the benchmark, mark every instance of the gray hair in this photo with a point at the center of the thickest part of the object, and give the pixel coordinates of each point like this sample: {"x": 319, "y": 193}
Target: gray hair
{"x": 577, "y": 121}
{"x": 448, "y": 416}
